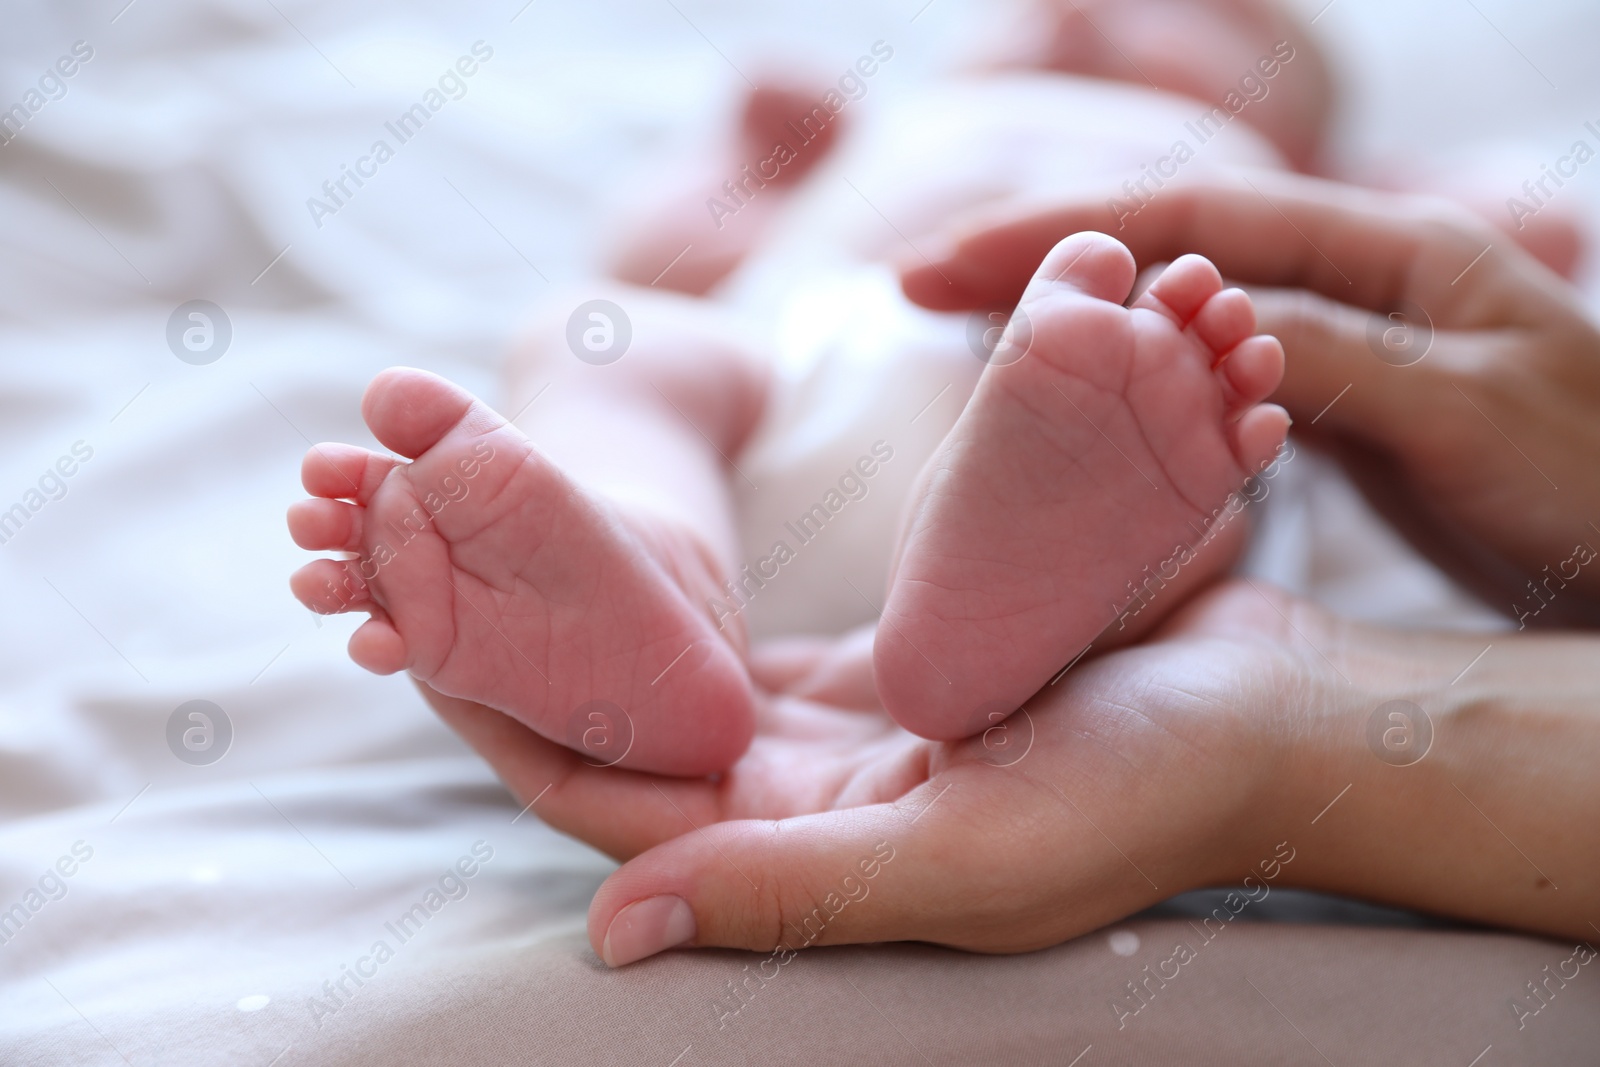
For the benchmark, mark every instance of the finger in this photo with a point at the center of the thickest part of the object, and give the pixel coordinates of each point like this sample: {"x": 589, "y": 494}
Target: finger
{"x": 1334, "y": 377}
{"x": 620, "y": 812}
{"x": 933, "y": 866}
{"x": 1358, "y": 246}
{"x": 767, "y": 886}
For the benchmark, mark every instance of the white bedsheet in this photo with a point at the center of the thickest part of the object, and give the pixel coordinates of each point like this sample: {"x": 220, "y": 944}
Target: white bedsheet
{"x": 216, "y": 900}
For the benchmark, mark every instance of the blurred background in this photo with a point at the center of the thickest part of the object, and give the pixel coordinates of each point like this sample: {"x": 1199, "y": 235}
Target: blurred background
{"x": 175, "y": 164}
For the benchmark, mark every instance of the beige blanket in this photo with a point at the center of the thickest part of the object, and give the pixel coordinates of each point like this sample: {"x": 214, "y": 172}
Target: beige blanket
{"x": 159, "y": 907}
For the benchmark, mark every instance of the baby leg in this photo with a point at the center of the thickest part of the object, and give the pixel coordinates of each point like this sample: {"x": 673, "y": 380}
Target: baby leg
{"x": 691, "y": 228}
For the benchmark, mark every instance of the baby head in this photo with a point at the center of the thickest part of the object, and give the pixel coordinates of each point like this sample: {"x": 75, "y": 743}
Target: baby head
{"x": 1254, "y": 57}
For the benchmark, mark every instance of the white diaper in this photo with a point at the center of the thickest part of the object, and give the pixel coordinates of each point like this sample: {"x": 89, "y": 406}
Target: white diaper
{"x": 867, "y": 387}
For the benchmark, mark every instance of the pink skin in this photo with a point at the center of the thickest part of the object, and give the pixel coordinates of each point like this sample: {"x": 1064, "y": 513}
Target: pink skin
{"x": 1112, "y": 442}
{"x": 666, "y": 221}
{"x": 495, "y": 576}
{"x": 521, "y": 591}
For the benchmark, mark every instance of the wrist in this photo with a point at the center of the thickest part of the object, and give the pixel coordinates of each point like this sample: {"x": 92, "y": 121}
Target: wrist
{"x": 1315, "y": 749}
{"x": 1373, "y": 707}
{"x": 1448, "y": 773}
{"x": 1287, "y": 741}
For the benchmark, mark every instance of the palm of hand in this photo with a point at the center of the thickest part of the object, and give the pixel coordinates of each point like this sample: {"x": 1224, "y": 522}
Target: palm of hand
{"x": 1129, "y": 781}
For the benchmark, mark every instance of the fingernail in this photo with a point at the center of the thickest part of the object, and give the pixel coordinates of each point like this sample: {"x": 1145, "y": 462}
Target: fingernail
{"x": 646, "y": 927}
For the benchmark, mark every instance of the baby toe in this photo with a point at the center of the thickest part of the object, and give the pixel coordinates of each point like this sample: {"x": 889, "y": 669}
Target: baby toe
{"x": 1091, "y": 263}
{"x": 377, "y": 646}
{"x": 410, "y": 411}
{"x": 331, "y": 587}
{"x": 326, "y": 525}
{"x": 1253, "y": 370}
{"x": 344, "y": 471}
{"x": 1182, "y": 289}
{"x": 1223, "y": 321}
{"x": 1258, "y": 436}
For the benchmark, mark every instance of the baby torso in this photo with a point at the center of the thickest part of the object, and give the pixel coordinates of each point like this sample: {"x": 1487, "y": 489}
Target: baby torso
{"x": 913, "y": 161}
{"x": 868, "y": 385}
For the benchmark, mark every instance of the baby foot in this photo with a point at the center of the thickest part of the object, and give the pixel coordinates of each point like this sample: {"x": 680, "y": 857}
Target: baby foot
{"x": 1106, "y": 448}
{"x": 491, "y": 577}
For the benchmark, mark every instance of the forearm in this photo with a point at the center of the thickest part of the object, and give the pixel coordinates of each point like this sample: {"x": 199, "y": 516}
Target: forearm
{"x": 1498, "y": 822}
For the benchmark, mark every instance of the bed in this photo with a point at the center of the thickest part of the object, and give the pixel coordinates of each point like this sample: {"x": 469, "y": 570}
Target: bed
{"x": 209, "y": 820}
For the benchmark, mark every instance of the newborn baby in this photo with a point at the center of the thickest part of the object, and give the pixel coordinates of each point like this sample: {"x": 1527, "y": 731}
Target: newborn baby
{"x": 586, "y": 568}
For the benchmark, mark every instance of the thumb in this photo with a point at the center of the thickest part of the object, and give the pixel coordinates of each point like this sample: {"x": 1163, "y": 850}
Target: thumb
{"x": 1347, "y": 369}
{"x": 837, "y": 877}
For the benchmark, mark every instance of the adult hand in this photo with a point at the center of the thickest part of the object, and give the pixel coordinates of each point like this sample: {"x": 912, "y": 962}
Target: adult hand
{"x": 1199, "y": 758}
{"x": 1467, "y": 373}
